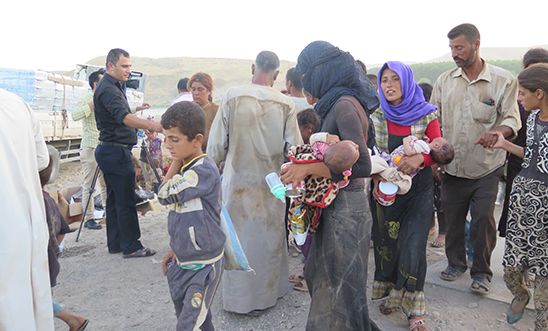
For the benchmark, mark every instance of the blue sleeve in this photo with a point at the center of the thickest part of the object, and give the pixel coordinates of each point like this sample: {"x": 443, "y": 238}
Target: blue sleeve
{"x": 194, "y": 183}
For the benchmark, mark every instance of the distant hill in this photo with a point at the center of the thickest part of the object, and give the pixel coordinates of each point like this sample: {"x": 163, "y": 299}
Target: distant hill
{"x": 508, "y": 58}
{"x": 162, "y": 75}
{"x": 493, "y": 53}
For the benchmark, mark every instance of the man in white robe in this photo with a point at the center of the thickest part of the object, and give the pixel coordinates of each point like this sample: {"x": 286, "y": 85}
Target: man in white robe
{"x": 249, "y": 134}
{"x": 25, "y": 293}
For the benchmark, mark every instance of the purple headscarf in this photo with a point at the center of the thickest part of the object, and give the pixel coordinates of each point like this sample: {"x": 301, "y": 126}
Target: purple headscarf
{"x": 413, "y": 106}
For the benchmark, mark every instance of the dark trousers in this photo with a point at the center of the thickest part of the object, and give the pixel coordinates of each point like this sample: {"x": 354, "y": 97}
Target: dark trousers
{"x": 477, "y": 195}
{"x": 123, "y": 231}
{"x": 512, "y": 170}
{"x": 438, "y": 210}
{"x": 192, "y": 292}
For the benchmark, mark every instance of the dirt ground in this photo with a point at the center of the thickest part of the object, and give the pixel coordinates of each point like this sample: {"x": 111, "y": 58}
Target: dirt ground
{"x": 132, "y": 294}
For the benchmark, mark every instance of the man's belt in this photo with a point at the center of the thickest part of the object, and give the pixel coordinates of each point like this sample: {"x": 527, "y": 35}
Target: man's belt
{"x": 109, "y": 143}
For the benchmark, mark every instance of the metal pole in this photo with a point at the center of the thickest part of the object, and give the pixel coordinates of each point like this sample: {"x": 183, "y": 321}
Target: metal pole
{"x": 91, "y": 190}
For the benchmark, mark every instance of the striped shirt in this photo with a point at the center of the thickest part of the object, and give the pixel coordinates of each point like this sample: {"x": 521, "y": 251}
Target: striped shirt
{"x": 83, "y": 111}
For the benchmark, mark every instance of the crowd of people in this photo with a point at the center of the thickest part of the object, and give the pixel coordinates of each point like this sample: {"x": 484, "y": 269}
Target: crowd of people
{"x": 339, "y": 135}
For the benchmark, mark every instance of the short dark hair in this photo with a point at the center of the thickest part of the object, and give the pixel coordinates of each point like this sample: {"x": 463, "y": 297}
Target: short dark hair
{"x": 295, "y": 78}
{"x": 187, "y": 116}
{"x": 362, "y": 66}
{"x": 45, "y": 174}
{"x": 535, "y": 77}
{"x": 444, "y": 155}
{"x": 535, "y": 55}
{"x": 267, "y": 61}
{"x": 469, "y": 31}
{"x": 426, "y": 90}
{"x": 372, "y": 78}
{"x": 309, "y": 117}
{"x": 182, "y": 85}
{"x": 94, "y": 77}
{"x": 114, "y": 55}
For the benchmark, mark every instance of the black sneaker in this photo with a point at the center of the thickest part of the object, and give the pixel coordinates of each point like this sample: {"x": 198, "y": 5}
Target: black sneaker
{"x": 90, "y": 224}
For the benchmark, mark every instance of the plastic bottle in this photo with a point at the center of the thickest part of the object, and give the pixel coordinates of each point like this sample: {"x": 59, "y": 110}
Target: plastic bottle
{"x": 298, "y": 226}
{"x": 276, "y": 186}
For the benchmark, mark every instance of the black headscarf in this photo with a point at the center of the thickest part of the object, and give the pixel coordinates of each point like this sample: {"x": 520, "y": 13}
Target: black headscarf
{"x": 329, "y": 74}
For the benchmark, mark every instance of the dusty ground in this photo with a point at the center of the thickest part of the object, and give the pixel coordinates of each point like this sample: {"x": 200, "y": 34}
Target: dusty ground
{"x": 119, "y": 294}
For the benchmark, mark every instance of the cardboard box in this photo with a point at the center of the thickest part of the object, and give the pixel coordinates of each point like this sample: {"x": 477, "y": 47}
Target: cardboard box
{"x": 74, "y": 208}
{"x": 72, "y": 212}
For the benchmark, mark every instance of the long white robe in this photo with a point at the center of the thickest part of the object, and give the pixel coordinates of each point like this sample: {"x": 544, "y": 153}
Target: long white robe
{"x": 249, "y": 133}
{"x": 25, "y": 293}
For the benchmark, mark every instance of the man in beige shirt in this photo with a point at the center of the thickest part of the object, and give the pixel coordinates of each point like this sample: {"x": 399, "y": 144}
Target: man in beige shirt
{"x": 473, "y": 99}
{"x": 90, "y": 139}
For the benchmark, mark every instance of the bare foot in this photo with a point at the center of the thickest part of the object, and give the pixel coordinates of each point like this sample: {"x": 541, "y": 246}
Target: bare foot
{"x": 518, "y": 306}
{"x": 439, "y": 241}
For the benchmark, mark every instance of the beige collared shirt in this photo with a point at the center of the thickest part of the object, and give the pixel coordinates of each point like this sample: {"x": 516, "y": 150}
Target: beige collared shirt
{"x": 468, "y": 108}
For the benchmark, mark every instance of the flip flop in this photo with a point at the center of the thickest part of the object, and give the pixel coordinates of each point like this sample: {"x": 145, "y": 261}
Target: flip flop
{"x": 417, "y": 324}
{"x": 437, "y": 243}
{"x": 385, "y": 310}
{"x": 83, "y": 326}
{"x": 300, "y": 286}
{"x": 143, "y": 252}
{"x": 450, "y": 274}
{"x": 294, "y": 279}
{"x": 480, "y": 286}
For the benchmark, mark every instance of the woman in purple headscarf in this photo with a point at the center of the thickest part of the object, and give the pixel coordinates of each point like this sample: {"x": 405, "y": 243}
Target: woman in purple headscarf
{"x": 400, "y": 231}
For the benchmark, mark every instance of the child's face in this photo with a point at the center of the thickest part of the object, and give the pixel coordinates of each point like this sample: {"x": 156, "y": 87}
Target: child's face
{"x": 180, "y": 147}
{"x": 306, "y": 132}
{"x": 438, "y": 143}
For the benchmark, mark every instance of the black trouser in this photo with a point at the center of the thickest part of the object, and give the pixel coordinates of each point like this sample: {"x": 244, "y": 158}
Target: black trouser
{"x": 512, "y": 170}
{"x": 438, "y": 209}
{"x": 477, "y": 195}
{"x": 123, "y": 231}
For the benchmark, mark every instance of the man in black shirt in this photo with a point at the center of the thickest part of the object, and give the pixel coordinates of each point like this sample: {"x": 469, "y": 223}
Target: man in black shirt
{"x": 117, "y": 136}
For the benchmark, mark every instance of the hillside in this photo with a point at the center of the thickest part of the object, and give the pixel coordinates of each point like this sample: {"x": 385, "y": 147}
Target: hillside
{"x": 493, "y": 53}
{"x": 164, "y": 73}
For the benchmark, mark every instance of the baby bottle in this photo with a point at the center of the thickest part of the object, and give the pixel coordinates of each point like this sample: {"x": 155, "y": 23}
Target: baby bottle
{"x": 293, "y": 191}
{"x": 276, "y": 186}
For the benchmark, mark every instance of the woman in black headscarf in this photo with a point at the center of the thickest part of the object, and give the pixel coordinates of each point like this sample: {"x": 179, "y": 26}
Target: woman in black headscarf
{"x": 336, "y": 269}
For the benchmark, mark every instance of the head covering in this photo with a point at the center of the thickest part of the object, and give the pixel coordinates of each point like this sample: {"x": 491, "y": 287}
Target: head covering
{"x": 330, "y": 73}
{"x": 413, "y": 106}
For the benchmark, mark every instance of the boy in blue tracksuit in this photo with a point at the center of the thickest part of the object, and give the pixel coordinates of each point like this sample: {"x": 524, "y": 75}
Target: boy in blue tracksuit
{"x": 192, "y": 190}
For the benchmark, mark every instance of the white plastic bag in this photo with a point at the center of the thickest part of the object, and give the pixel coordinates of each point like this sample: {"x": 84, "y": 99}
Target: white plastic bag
{"x": 235, "y": 258}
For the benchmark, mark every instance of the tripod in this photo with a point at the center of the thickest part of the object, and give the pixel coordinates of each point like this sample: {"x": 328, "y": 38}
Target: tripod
{"x": 91, "y": 190}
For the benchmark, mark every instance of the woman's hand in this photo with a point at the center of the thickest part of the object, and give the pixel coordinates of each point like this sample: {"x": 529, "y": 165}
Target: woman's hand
{"x": 293, "y": 173}
{"x": 410, "y": 164}
{"x": 500, "y": 141}
{"x": 376, "y": 180}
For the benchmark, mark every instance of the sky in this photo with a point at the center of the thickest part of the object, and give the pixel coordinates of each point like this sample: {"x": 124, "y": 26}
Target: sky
{"x": 56, "y": 35}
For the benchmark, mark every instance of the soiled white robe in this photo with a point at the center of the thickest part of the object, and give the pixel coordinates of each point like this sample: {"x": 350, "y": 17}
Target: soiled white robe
{"x": 249, "y": 133}
{"x": 25, "y": 293}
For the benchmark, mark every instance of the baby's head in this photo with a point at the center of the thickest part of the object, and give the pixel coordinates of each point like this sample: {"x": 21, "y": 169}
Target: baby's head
{"x": 341, "y": 156}
{"x": 441, "y": 151}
